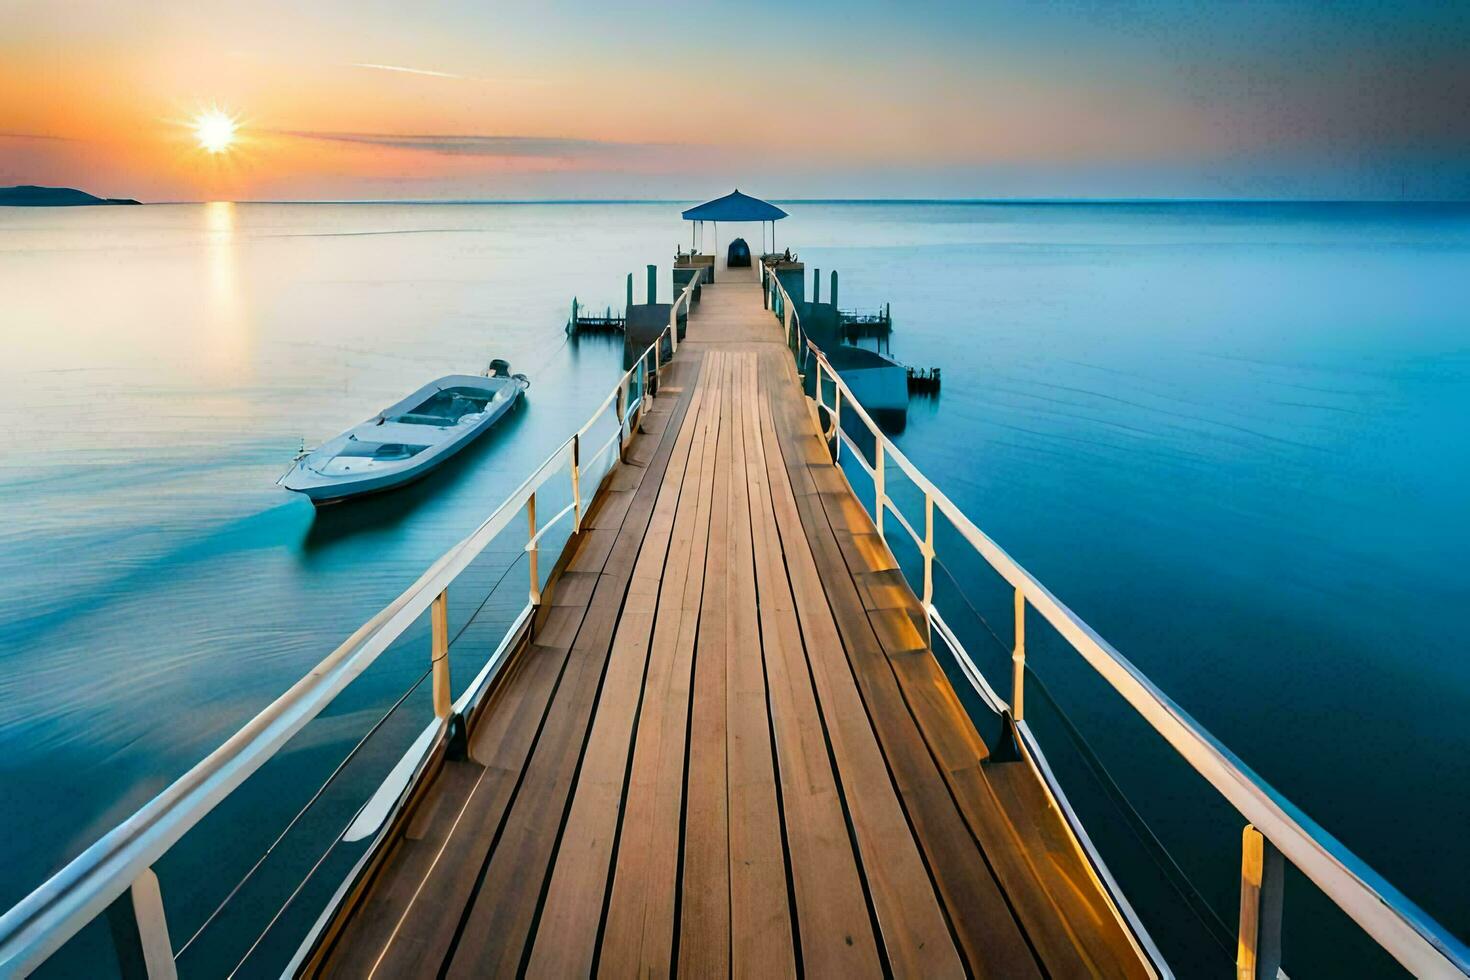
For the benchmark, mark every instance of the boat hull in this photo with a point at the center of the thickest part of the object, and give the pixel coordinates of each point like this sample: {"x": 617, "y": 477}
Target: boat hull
{"x": 341, "y": 470}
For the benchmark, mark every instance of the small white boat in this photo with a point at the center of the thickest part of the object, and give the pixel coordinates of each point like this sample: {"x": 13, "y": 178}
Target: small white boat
{"x": 408, "y": 439}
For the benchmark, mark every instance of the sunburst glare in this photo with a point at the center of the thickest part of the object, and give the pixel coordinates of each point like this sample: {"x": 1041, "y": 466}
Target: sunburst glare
{"x": 214, "y": 130}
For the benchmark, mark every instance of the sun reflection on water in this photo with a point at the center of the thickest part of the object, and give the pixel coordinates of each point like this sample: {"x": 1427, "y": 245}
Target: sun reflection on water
{"x": 225, "y": 332}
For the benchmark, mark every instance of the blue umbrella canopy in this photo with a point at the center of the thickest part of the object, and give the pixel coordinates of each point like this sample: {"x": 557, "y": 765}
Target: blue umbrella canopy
{"x": 735, "y": 207}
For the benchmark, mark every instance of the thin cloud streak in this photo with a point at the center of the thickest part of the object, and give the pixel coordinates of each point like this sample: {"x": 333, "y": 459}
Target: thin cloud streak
{"x": 498, "y": 145}
{"x": 406, "y": 71}
{"x": 461, "y": 154}
{"x": 431, "y": 73}
{"x": 37, "y": 136}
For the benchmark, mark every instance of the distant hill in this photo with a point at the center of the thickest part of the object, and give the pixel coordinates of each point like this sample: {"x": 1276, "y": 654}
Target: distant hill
{"x": 31, "y": 196}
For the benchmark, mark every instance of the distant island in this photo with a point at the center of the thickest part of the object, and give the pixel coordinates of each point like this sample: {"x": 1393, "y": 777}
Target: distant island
{"x": 31, "y": 196}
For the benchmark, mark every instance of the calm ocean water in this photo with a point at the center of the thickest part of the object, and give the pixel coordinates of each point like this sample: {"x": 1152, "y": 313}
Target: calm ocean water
{"x": 1229, "y": 436}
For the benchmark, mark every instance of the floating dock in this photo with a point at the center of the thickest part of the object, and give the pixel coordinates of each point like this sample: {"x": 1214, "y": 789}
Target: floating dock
{"x": 863, "y": 324}
{"x": 584, "y": 320}
{"x": 923, "y": 381}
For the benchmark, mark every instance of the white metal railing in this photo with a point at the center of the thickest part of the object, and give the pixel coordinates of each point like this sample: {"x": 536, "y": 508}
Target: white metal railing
{"x": 1275, "y": 827}
{"x": 122, "y": 860}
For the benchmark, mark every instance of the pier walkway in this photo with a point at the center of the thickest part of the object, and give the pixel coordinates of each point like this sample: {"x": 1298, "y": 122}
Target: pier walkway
{"x": 714, "y": 740}
{"x": 726, "y": 746}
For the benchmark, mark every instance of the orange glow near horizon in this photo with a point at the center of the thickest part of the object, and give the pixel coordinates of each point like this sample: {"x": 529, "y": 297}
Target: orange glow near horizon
{"x": 516, "y": 100}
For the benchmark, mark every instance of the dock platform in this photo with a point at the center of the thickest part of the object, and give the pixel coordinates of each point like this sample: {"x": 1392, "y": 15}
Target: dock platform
{"x": 725, "y": 746}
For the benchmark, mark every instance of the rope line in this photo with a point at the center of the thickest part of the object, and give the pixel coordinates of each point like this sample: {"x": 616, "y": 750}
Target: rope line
{"x": 294, "y": 892}
{"x": 296, "y": 819}
{"x": 1208, "y": 917}
{"x": 1211, "y": 920}
{"x": 318, "y": 794}
{"x": 493, "y": 589}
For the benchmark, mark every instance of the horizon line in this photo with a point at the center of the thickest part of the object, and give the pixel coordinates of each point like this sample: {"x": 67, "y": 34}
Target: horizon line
{"x": 840, "y": 200}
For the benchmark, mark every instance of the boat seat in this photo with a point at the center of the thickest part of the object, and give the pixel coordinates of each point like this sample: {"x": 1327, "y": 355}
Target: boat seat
{"x": 380, "y": 450}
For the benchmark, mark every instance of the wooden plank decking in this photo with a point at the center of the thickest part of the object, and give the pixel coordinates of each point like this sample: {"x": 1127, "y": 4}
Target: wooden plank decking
{"x": 727, "y": 747}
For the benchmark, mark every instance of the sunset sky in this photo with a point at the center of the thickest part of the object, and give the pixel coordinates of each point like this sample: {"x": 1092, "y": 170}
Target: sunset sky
{"x": 476, "y": 100}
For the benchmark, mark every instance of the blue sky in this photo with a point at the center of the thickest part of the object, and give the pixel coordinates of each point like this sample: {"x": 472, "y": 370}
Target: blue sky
{"x": 1082, "y": 99}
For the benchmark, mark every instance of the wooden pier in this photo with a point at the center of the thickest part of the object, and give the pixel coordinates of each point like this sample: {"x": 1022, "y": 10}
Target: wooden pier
{"x": 715, "y": 739}
{"x": 725, "y": 746}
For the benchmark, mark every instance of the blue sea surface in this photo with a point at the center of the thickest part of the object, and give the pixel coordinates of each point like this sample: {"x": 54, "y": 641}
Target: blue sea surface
{"x": 1230, "y": 436}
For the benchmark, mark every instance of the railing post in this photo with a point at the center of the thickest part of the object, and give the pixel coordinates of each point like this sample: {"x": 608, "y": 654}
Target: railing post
{"x": 653, "y": 374}
{"x": 836, "y": 417}
{"x": 535, "y": 550}
{"x": 439, "y": 616}
{"x": 620, "y": 409}
{"x": 1018, "y": 660}
{"x": 642, "y": 390}
{"x": 140, "y": 932}
{"x": 1262, "y": 876}
{"x": 928, "y": 552}
{"x": 879, "y": 490}
{"x": 576, "y": 483}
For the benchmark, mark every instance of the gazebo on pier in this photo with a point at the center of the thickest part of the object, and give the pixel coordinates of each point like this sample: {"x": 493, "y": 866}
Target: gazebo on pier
{"x": 733, "y": 207}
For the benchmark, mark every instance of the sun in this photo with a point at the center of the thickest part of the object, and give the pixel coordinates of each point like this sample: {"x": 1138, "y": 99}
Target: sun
{"x": 214, "y": 130}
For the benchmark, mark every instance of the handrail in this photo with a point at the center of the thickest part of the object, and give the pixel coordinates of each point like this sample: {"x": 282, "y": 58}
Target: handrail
{"x": 685, "y": 299}
{"x": 122, "y": 859}
{"x": 1399, "y": 926}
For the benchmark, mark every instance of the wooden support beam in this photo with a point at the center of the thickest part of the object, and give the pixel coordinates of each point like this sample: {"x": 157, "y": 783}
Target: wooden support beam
{"x": 439, "y": 615}
{"x": 140, "y": 932}
{"x": 535, "y": 554}
{"x": 1262, "y": 877}
{"x": 1018, "y": 659}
